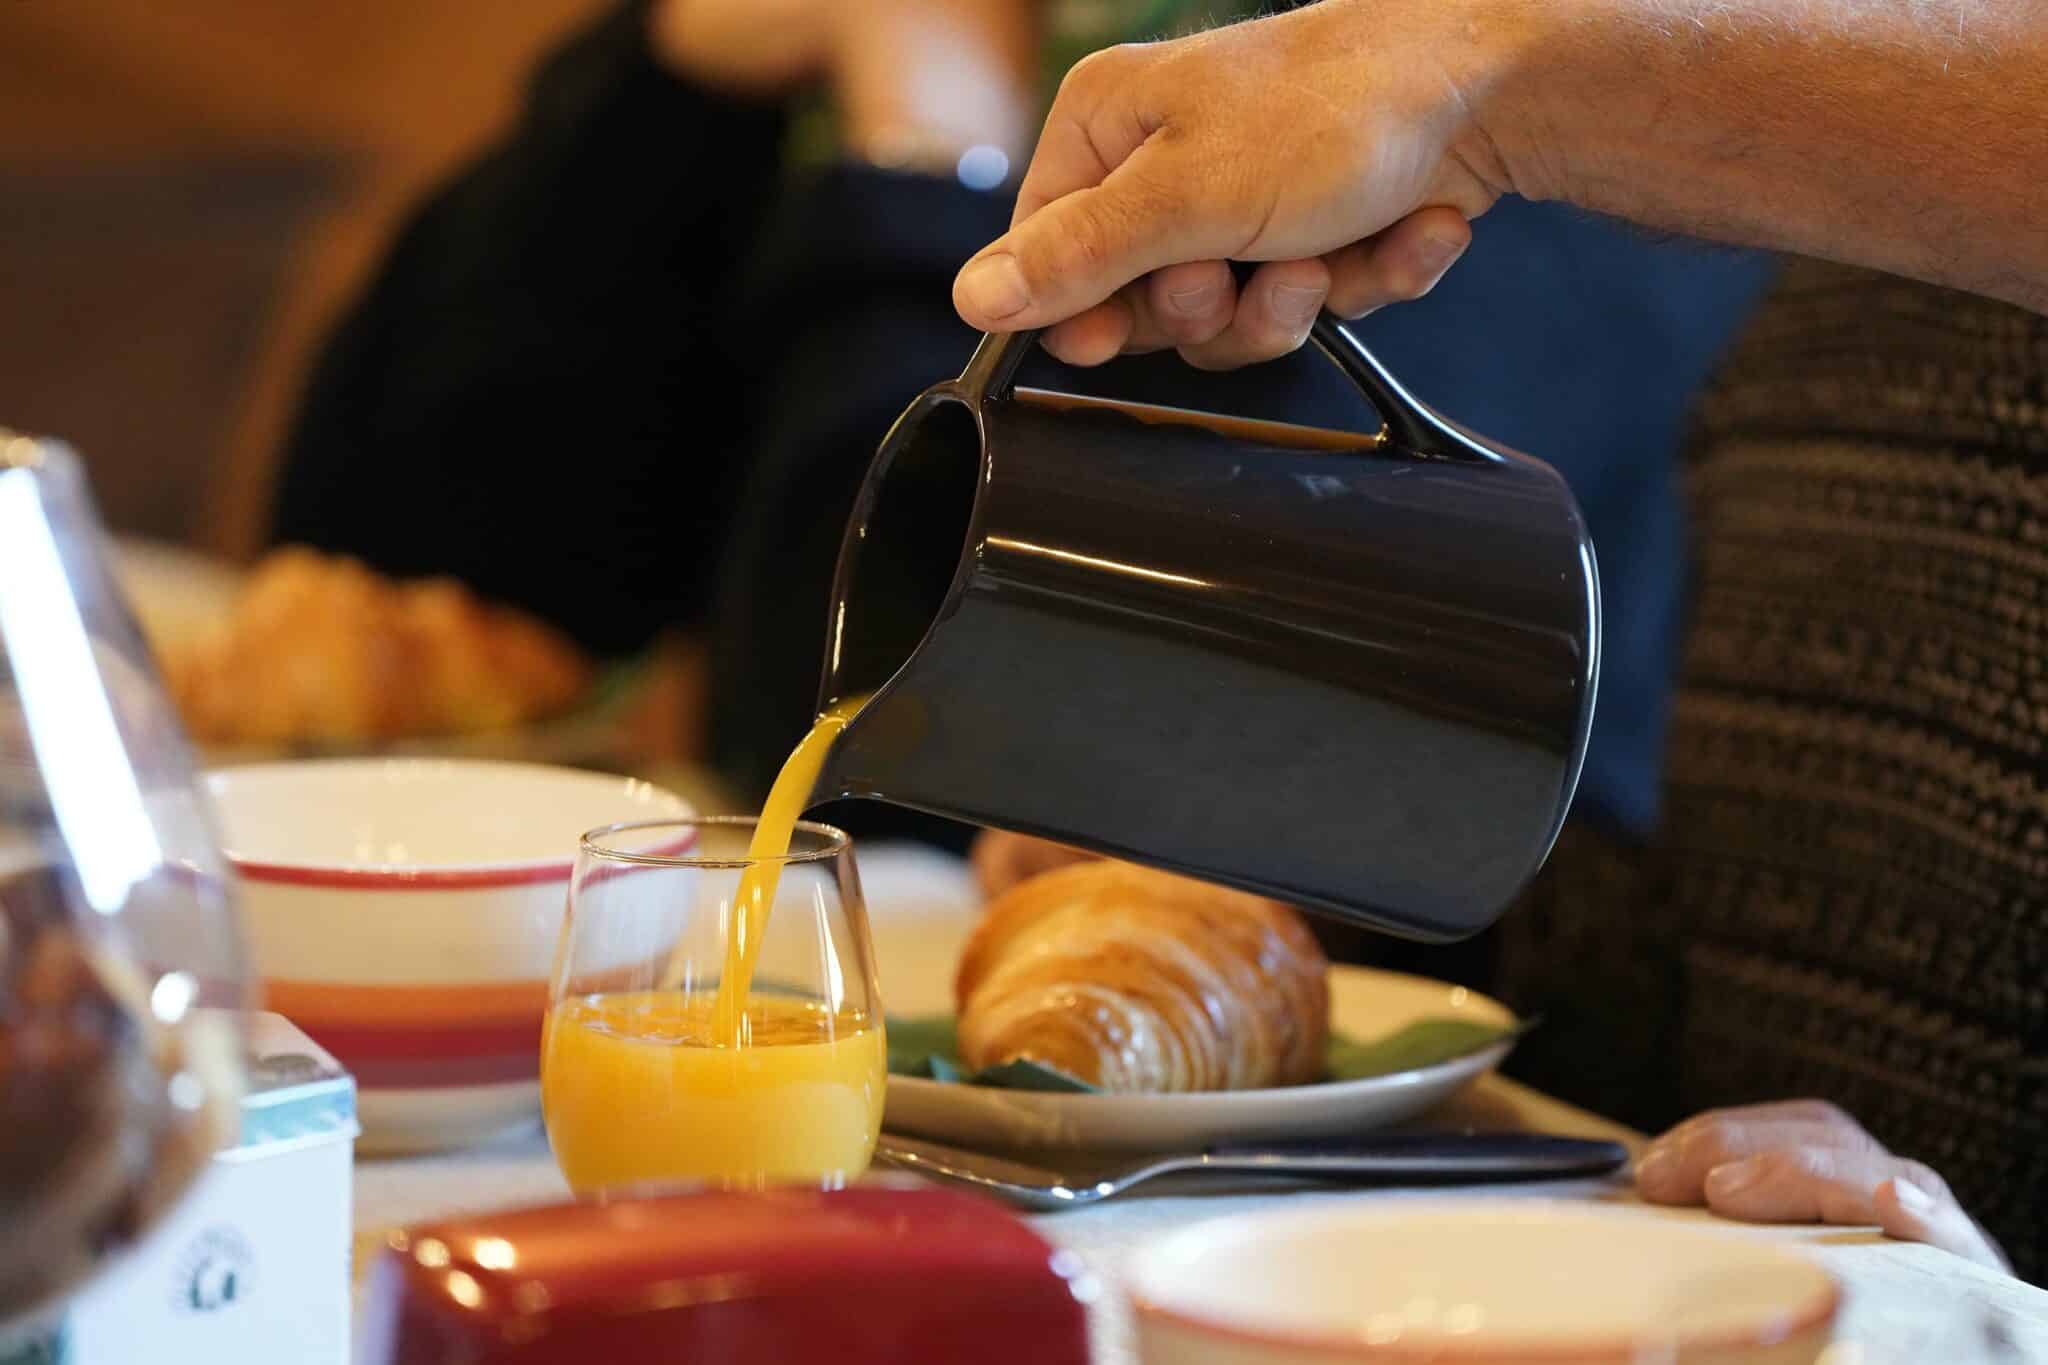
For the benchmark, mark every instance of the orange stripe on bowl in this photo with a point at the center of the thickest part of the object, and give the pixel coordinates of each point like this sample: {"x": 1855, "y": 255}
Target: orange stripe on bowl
{"x": 414, "y": 1037}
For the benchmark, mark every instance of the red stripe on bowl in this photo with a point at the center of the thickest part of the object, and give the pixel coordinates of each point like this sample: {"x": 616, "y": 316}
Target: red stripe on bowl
{"x": 422, "y": 878}
{"x": 403, "y": 878}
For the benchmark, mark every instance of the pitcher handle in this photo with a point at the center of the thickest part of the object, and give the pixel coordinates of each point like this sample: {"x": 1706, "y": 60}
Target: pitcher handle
{"x": 992, "y": 369}
{"x": 1409, "y": 424}
{"x": 1406, "y": 422}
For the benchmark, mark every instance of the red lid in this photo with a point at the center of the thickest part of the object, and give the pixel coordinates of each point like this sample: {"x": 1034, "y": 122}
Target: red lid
{"x": 871, "y": 1274}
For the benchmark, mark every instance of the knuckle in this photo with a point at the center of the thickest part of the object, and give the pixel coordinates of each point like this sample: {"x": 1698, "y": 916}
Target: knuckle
{"x": 1077, "y": 247}
{"x": 1689, "y": 1126}
{"x": 1084, "y": 76}
{"x": 1709, "y": 1138}
{"x": 1807, "y": 1161}
{"x": 1829, "y": 1113}
{"x": 1086, "y": 247}
{"x": 1419, "y": 286}
{"x": 1404, "y": 285}
{"x": 1101, "y": 70}
{"x": 1093, "y": 240}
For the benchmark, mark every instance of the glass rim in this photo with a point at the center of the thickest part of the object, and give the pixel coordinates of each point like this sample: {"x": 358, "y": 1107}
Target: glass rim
{"x": 837, "y": 841}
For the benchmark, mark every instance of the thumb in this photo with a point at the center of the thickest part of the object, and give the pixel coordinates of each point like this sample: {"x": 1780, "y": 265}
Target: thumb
{"x": 1910, "y": 1211}
{"x": 1079, "y": 249}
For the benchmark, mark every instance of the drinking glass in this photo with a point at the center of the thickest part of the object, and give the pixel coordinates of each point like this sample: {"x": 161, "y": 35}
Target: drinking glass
{"x": 641, "y": 1082}
{"x": 121, "y": 971}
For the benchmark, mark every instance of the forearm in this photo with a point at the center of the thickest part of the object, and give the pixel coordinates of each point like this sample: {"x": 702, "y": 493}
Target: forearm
{"x": 1904, "y": 135}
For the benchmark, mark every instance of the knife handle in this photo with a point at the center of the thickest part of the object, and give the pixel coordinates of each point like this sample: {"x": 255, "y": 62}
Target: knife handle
{"x": 1460, "y": 1156}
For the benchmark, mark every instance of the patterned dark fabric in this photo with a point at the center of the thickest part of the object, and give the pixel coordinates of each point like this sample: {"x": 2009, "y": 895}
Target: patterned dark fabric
{"x": 1851, "y": 897}
{"x": 1858, "y": 808}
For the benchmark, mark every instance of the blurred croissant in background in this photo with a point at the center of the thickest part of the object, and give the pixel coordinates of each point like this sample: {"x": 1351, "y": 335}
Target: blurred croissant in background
{"x": 322, "y": 650}
{"x": 1136, "y": 980}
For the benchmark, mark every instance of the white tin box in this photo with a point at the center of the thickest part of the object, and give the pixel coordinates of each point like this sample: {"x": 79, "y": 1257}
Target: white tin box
{"x": 252, "y": 1267}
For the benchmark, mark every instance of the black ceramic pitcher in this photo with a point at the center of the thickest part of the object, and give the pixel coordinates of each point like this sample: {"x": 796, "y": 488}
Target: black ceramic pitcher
{"x": 1355, "y": 672}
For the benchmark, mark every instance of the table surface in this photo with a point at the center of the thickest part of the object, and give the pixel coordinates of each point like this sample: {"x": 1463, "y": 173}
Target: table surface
{"x": 1903, "y": 1302}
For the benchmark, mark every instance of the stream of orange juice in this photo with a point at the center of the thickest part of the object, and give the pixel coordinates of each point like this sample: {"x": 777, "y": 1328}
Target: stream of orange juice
{"x": 737, "y": 1087}
{"x": 772, "y": 833}
{"x": 637, "y": 1087}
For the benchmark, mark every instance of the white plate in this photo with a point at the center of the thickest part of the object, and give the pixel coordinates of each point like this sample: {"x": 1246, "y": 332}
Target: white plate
{"x": 1364, "y": 1004}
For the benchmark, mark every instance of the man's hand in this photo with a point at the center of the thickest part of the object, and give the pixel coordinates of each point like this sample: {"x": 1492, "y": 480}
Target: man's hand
{"x": 1347, "y": 143}
{"x": 1342, "y": 153}
{"x": 1805, "y": 1161}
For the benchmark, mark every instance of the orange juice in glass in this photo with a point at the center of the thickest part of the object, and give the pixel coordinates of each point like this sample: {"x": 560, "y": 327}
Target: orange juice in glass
{"x": 648, "y": 1077}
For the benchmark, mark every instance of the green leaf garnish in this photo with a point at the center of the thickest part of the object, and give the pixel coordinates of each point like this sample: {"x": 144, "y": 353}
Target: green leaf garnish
{"x": 1026, "y": 1075}
{"x": 916, "y": 1042}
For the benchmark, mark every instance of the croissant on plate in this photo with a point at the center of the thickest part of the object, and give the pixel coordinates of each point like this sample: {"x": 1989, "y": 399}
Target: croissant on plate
{"x": 1137, "y": 980}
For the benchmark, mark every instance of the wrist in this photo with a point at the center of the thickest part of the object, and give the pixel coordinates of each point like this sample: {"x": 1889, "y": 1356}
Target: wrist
{"x": 1534, "y": 81}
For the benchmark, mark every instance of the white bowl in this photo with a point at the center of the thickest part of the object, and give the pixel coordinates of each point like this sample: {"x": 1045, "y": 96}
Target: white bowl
{"x": 404, "y": 913}
{"x": 1475, "y": 1282}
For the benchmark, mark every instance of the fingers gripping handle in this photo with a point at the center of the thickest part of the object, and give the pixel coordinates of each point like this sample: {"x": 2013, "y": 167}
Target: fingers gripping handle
{"x": 1409, "y": 426}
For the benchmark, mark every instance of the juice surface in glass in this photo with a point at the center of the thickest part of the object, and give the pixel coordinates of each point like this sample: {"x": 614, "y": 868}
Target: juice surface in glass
{"x": 638, "y": 1087}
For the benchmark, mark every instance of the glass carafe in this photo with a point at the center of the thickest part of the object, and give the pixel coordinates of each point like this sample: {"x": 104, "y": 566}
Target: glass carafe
{"x": 121, "y": 974}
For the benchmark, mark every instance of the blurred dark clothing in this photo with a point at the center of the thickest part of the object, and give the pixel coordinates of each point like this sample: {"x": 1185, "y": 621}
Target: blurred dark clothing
{"x": 1857, "y": 863}
{"x": 627, "y": 372}
{"x": 1848, "y": 899}
{"x": 541, "y": 391}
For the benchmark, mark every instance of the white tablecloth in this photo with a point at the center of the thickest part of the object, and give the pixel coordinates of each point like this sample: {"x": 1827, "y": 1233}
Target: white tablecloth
{"x": 1904, "y": 1303}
